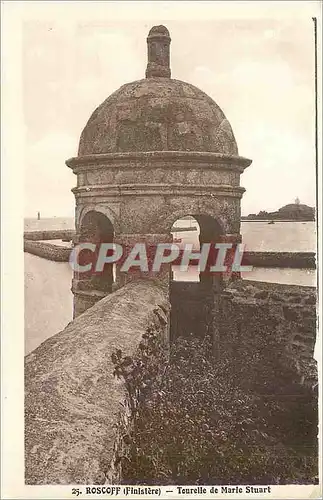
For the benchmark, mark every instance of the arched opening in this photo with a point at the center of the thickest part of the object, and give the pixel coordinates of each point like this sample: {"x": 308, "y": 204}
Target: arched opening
{"x": 96, "y": 228}
{"x": 186, "y": 231}
{"x": 196, "y": 230}
{"x": 192, "y": 291}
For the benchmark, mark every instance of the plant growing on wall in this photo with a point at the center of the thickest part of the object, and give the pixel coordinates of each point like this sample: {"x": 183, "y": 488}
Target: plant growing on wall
{"x": 193, "y": 423}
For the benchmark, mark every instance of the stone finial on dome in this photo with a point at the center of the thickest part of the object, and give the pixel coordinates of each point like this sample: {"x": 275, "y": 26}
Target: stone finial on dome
{"x": 158, "y": 42}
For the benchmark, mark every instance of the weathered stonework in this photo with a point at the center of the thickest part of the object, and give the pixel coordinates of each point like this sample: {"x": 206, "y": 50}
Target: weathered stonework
{"x": 157, "y": 114}
{"x": 147, "y": 192}
{"x": 158, "y": 42}
{"x": 72, "y": 400}
{"x": 279, "y": 320}
{"x": 154, "y": 151}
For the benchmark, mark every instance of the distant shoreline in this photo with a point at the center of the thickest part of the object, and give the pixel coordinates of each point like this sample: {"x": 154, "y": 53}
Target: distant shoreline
{"x": 243, "y": 219}
{"x": 276, "y": 220}
{"x": 34, "y": 243}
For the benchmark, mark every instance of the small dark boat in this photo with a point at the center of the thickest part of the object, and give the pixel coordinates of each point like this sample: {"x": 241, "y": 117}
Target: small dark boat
{"x": 271, "y": 222}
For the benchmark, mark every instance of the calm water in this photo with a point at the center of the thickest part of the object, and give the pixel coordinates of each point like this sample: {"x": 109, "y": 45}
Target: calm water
{"x": 257, "y": 236}
{"x": 264, "y": 237}
{"x": 53, "y": 223}
{"x": 48, "y": 298}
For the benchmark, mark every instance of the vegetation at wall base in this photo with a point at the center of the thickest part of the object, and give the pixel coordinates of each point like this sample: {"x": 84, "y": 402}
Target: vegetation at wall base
{"x": 195, "y": 422}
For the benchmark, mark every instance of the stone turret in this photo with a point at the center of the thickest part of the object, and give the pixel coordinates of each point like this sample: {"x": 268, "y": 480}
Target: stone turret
{"x": 154, "y": 151}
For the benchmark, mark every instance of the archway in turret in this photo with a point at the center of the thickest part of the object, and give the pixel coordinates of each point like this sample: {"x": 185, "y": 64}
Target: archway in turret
{"x": 196, "y": 230}
{"x": 192, "y": 291}
{"x": 96, "y": 228}
{"x": 186, "y": 231}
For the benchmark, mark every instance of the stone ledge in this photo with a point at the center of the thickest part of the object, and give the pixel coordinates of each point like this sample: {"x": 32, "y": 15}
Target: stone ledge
{"x": 72, "y": 400}
{"x": 106, "y": 190}
{"x": 114, "y": 159}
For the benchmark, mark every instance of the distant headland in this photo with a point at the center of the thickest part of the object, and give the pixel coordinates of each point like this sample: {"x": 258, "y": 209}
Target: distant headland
{"x": 291, "y": 212}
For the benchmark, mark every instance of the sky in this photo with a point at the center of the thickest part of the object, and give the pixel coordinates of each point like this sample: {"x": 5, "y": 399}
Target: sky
{"x": 259, "y": 70}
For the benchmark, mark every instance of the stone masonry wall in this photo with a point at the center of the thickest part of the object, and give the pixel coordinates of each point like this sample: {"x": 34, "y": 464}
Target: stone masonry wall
{"x": 73, "y": 402}
{"x": 274, "y": 322}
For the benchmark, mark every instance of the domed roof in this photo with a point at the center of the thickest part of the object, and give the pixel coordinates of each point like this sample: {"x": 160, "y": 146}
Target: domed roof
{"x": 160, "y": 30}
{"x": 157, "y": 113}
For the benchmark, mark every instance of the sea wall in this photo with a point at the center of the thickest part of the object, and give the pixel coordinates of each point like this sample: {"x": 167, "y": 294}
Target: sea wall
{"x": 60, "y": 234}
{"x": 73, "y": 402}
{"x": 34, "y": 244}
{"x": 273, "y": 328}
{"x": 299, "y": 260}
{"x": 47, "y": 251}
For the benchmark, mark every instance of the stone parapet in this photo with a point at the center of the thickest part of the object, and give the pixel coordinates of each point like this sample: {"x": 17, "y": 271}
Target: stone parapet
{"x": 85, "y": 299}
{"x": 72, "y": 400}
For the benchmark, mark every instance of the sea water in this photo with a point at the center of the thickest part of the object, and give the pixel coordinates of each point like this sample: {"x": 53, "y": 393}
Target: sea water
{"x": 48, "y": 296}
